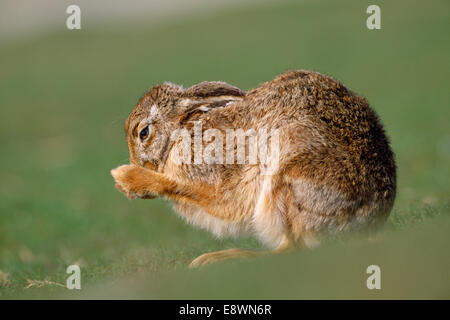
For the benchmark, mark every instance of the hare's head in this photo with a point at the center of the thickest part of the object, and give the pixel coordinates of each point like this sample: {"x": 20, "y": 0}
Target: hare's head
{"x": 163, "y": 109}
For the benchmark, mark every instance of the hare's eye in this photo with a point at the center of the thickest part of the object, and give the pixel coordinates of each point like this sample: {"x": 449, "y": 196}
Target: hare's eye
{"x": 144, "y": 133}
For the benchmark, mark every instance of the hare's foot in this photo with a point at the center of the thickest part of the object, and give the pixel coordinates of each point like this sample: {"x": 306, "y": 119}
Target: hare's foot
{"x": 133, "y": 181}
{"x": 213, "y": 257}
{"x": 140, "y": 182}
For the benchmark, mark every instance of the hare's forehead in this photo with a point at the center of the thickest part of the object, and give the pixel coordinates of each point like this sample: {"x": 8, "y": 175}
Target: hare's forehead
{"x": 149, "y": 113}
{"x": 153, "y": 113}
{"x": 140, "y": 115}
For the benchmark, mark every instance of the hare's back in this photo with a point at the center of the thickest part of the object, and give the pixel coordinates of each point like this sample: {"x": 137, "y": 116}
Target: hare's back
{"x": 334, "y": 137}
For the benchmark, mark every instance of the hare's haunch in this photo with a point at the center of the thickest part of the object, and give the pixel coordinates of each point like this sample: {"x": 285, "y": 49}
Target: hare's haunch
{"x": 298, "y": 157}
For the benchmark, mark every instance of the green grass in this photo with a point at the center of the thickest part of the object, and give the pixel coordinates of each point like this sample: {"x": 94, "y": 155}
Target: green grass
{"x": 64, "y": 99}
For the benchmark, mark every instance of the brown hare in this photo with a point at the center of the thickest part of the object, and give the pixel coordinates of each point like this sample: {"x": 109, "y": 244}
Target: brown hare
{"x": 334, "y": 168}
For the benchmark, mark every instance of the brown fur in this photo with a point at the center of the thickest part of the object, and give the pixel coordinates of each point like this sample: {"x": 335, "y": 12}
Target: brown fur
{"x": 336, "y": 169}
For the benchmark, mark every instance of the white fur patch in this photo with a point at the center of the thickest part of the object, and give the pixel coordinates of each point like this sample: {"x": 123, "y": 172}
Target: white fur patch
{"x": 185, "y": 102}
{"x": 204, "y": 108}
{"x": 267, "y": 222}
{"x": 174, "y": 85}
{"x": 153, "y": 113}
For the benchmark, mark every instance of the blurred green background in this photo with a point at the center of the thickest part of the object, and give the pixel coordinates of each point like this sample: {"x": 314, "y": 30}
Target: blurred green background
{"x": 65, "y": 95}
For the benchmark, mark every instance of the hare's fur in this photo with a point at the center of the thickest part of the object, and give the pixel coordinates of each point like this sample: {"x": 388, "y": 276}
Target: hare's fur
{"x": 336, "y": 170}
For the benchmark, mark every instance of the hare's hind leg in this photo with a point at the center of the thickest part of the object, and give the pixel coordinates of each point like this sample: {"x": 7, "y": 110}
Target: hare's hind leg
{"x": 222, "y": 255}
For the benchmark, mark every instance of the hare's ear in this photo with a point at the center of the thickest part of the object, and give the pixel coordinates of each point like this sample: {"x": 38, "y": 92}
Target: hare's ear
{"x": 207, "y": 95}
{"x": 214, "y": 89}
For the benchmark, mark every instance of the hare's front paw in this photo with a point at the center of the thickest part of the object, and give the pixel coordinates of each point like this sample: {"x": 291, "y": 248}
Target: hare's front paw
{"x": 129, "y": 181}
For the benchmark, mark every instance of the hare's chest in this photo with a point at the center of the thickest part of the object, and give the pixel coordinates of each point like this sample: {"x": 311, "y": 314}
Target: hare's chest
{"x": 198, "y": 217}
